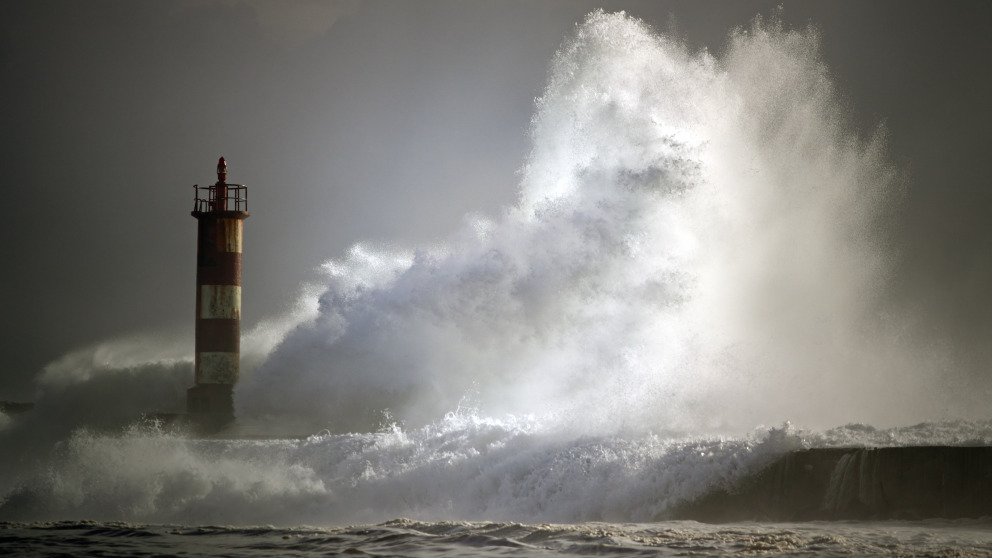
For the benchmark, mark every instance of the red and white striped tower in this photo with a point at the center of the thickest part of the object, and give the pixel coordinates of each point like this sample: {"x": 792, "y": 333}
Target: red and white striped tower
{"x": 220, "y": 211}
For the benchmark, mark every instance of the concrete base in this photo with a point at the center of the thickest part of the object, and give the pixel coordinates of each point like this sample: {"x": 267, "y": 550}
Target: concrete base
{"x": 210, "y": 407}
{"x": 198, "y": 425}
{"x": 839, "y": 483}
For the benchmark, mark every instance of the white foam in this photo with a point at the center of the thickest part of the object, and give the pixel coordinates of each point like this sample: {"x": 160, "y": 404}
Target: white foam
{"x": 464, "y": 467}
{"x": 698, "y": 244}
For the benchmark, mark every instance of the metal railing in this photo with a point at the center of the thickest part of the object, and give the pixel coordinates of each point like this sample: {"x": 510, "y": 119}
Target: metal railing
{"x": 220, "y": 197}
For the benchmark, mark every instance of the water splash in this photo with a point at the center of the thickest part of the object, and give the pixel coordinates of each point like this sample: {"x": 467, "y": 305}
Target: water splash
{"x": 698, "y": 248}
{"x": 463, "y": 467}
{"x": 698, "y": 244}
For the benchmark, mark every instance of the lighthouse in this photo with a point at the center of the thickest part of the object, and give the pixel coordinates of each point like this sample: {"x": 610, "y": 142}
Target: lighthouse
{"x": 220, "y": 211}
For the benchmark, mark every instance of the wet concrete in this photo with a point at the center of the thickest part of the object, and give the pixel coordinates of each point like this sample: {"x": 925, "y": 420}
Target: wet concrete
{"x": 857, "y": 483}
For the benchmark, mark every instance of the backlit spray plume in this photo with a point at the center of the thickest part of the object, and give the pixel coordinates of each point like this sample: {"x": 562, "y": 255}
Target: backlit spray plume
{"x": 698, "y": 243}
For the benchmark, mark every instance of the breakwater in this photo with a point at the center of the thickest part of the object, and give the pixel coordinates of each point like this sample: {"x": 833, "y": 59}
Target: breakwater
{"x": 857, "y": 483}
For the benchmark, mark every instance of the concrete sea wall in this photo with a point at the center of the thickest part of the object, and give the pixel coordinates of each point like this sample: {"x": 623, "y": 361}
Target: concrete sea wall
{"x": 858, "y": 483}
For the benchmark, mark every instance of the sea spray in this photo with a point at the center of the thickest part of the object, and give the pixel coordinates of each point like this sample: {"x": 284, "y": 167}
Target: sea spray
{"x": 463, "y": 467}
{"x": 698, "y": 248}
{"x": 698, "y": 244}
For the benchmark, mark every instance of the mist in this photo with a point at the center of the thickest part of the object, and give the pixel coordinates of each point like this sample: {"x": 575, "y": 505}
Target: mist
{"x": 698, "y": 243}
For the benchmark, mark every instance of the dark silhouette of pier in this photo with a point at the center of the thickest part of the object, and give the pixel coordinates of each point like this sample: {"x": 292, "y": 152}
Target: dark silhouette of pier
{"x": 907, "y": 483}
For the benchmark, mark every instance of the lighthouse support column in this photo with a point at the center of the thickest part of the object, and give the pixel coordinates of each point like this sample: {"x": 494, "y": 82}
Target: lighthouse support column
{"x": 220, "y": 219}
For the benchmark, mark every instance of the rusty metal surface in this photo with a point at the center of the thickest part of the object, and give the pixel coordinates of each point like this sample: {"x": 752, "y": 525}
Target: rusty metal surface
{"x": 225, "y": 271}
{"x": 219, "y": 235}
{"x": 220, "y": 301}
{"x": 229, "y": 235}
{"x": 220, "y": 211}
{"x": 218, "y": 336}
{"x": 219, "y": 252}
{"x": 220, "y": 198}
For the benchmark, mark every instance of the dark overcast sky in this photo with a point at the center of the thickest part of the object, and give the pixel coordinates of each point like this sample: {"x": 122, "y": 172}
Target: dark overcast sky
{"x": 388, "y": 121}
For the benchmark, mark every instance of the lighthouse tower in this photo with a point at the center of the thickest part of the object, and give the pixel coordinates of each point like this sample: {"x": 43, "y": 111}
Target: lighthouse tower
{"x": 220, "y": 211}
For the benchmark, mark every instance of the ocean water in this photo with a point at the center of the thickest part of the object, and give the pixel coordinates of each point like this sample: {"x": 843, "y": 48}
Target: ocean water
{"x": 699, "y": 255}
{"x": 404, "y": 537}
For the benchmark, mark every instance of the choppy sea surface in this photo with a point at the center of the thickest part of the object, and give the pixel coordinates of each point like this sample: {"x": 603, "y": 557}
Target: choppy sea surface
{"x": 404, "y": 537}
